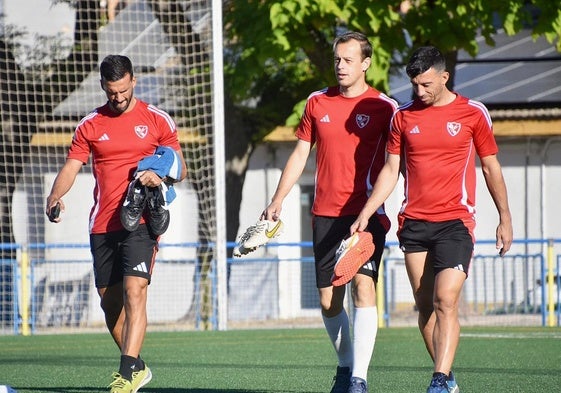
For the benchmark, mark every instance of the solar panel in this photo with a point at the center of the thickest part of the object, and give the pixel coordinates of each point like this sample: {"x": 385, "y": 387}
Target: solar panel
{"x": 518, "y": 70}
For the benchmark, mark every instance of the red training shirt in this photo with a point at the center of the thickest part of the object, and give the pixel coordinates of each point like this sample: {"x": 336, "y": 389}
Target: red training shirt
{"x": 117, "y": 143}
{"x": 438, "y": 146}
{"x": 350, "y": 135}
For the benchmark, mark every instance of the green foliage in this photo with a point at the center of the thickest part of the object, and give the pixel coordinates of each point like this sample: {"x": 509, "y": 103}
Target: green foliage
{"x": 548, "y": 22}
{"x": 459, "y": 33}
{"x": 291, "y": 40}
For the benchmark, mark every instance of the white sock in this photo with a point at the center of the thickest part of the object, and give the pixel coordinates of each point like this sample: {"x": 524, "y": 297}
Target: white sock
{"x": 365, "y": 328}
{"x": 339, "y": 333}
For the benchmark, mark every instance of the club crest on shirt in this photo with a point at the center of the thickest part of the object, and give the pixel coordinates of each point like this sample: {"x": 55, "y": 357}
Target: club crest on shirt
{"x": 141, "y": 131}
{"x": 362, "y": 120}
{"x": 453, "y": 128}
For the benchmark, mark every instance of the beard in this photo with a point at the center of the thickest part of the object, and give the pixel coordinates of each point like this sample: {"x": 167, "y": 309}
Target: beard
{"x": 119, "y": 107}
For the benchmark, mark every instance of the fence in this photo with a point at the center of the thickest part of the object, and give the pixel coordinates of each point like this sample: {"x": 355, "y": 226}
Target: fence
{"x": 274, "y": 288}
{"x": 51, "y": 51}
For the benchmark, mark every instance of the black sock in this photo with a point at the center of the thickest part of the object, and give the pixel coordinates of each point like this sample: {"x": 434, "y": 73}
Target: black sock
{"x": 128, "y": 365}
{"x": 440, "y": 375}
{"x": 139, "y": 364}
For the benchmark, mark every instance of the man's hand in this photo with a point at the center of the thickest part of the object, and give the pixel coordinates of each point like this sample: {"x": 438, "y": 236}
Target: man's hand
{"x": 271, "y": 212}
{"x": 149, "y": 179}
{"x": 504, "y": 237}
{"x": 54, "y": 208}
{"x": 360, "y": 223}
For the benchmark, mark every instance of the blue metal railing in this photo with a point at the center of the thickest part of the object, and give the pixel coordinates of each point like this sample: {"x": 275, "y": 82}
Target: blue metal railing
{"x": 14, "y": 319}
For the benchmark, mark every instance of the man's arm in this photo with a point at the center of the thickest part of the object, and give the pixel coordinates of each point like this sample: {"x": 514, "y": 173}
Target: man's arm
{"x": 292, "y": 171}
{"x": 497, "y": 188}
{"x": 62, "y": 184}
{"x": 385, "y": 183}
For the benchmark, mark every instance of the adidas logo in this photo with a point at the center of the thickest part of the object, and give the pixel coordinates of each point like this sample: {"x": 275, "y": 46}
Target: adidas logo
{"x": 369, "y": 266}
{"x": 104, "y": 137}
{"x": 325, "y": 119}
{"x": 141, "y": 267}
{"x": 415, "y": 130}
{"x": 459, "y": 267}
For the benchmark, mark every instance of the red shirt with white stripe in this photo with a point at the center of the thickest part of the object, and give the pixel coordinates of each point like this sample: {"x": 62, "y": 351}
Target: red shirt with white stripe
{"x": 117, "y": 143}
{"x": 438, "y": 146}
{"x": 350, "y": 136}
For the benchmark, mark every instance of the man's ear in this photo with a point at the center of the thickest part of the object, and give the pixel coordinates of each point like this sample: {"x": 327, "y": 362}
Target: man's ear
{"x": 366, "y": 64}
{"x": 445, "y": 77}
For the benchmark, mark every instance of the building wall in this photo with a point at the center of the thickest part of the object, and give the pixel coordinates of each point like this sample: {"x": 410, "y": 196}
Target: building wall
{"x": 531, "y": 167}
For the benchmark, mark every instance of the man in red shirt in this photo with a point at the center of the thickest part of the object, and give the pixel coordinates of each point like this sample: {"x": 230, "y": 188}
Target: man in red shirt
{"x": 348, "y": 124}
{"x": 435, "y": 139}
{"x": 118, "y": 135}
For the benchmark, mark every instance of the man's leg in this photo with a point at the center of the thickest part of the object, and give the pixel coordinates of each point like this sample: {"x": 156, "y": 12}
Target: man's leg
{"x": 134, "y": 329}
{"x": 365, "y": 324}
{"x": 136, "y": 289}
{"x": 446, "y": 336}
{"x": 111, "y": 301}
{"x": 336, "y": 322}
{"x": 421, "y": 278}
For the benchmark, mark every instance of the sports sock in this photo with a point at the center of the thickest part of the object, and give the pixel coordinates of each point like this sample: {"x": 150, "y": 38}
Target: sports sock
{"x": 365, "y": 329}
{"x": 338, "y": 331}
{"x": 127, "y": 366}
{"x": 139, "y": 364}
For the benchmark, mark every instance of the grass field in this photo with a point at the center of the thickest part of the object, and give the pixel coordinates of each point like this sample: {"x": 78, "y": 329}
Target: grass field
{"x": 509, "y": 360}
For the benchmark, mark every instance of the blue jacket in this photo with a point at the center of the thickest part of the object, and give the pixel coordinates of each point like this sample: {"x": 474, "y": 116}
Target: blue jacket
{"x": 164, "y": 162}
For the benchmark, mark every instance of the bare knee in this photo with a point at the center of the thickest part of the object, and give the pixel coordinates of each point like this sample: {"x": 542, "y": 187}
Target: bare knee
{"x": 425, "y": 305}
{"x": 445, "y": 305}
{"x": 135, "y": 292}
{"x": 363, "y": 291}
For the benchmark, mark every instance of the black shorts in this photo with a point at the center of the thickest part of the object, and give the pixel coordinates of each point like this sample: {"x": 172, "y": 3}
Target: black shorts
{"x": 449, "y": 243}
{"x": 328, "y": 232}
{"x": 123, "y": 253}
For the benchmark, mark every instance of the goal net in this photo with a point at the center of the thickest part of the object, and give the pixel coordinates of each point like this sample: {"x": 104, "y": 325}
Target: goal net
{"x": 50, "y": 80}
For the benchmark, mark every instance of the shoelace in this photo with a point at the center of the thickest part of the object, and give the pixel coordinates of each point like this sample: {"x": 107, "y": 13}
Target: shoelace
{"x": 357, "y": 384}
{"x": 118, "y": 381}
{"x": 135, "y": 373}
{"x": 156, "y": 203}
{"x": 136, "y": 203}
{"x": 342, "y": 247}
{"x": 252, "y": 230}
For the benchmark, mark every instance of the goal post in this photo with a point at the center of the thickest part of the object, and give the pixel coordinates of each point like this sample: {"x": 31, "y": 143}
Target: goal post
{"x": 219, "y": 167}
{"x": 50, "y": 80}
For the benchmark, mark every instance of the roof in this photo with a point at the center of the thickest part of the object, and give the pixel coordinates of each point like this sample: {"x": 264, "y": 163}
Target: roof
{"x": 141, "y": 37}
{"x": 518, "y": 72}
{"x": 501, "y": 128}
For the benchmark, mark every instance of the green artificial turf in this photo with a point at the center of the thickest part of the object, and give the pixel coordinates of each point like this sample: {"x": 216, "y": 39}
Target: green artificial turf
{"x": 292, "y": 360}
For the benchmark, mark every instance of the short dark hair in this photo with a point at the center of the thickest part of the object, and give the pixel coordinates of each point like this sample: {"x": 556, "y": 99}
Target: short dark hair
{"x": 423, "y": 59}
{"x": 115, "y": 67}
{"x": 365, "y": 45}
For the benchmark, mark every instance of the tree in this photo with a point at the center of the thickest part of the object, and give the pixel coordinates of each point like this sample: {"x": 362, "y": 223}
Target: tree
{"x": 17, "y": 126}
{"x": 291, "y": 39}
